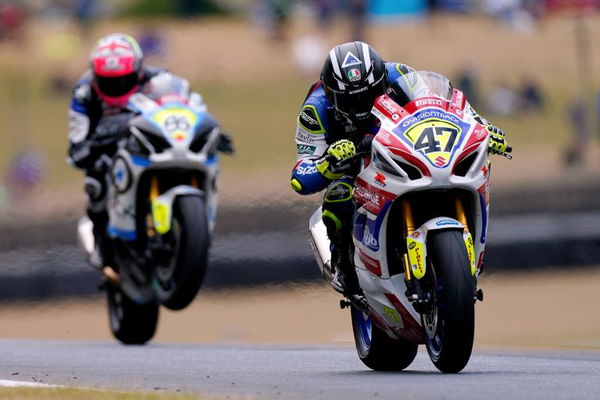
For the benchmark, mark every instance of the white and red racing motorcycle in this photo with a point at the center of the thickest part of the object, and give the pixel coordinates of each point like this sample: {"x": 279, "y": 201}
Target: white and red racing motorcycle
{"x": 419, "y": 229}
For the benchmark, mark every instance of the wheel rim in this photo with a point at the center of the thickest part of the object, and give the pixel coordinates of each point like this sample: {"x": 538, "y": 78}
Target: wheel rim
{"x": 364, "y": 327}
{"x": 165, "y": 272}
{"x": 116, "y": 309}
{"x": 432, "y": 323}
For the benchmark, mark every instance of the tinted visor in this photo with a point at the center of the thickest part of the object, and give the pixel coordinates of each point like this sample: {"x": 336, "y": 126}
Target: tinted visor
{"x": 117, "y": 86}
{"x": 359, "y": 104}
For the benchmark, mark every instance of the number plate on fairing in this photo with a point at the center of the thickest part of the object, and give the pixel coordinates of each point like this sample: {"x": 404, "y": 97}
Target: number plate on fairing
{"x": 435, "y": 134}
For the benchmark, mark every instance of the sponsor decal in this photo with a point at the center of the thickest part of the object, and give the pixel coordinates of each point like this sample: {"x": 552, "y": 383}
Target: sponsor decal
{"x": 309, "y": 119}
{"x": 354, "y": 74}
{"x": 445, "y": 222}
{"x": 416, "y": 258}
{"x": 371, "y": 197}
{"x": 306, "y": 149}
{"x": 384, "y": 137}
{"x": 391, "y": 313}
{"x": 484, "y": 170}
{"x": 426, "y": 114}
{"x": 484, "y": 191}
{"x": 457, "y": 99}
{"x": 388, "y": 104}
{"x": 306, "y": 169}
{"x": 369, "y": 240}
{"x": 304, "y": 136}
{"x": 121, "y": 175}
{"x": 429, "y": 102}
{"x": 350, "y": 60}
{"x": 380, "y": 179}
{"x": 412, "y": 329}
{"x": 364, "y": 89}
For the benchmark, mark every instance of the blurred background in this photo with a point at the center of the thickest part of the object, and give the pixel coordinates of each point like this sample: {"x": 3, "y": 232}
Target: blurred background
{"x": 532, "y": 67}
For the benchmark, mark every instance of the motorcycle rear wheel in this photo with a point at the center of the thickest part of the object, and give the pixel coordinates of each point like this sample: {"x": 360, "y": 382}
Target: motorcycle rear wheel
{"x": 177, "y": 283}
{"x": 130, "y": 323}
{"x": 449, "y": 327}
{"x": 376, "y": 349}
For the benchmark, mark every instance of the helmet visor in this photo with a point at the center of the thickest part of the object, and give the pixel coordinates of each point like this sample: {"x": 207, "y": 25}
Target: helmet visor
{"x": 117, "y": 86}
{"x": 358, "y": 104}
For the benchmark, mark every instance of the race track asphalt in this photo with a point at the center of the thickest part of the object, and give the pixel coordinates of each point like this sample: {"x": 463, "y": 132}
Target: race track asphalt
{"x": 297, "y": 371}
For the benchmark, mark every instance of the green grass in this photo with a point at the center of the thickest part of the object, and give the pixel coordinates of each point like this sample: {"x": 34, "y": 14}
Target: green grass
{"x": 88, "y": 394}
{"x": 259, "y": 115}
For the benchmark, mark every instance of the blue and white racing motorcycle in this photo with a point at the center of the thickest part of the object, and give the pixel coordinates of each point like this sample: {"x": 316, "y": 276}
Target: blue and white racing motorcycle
{"x": 162, "y": 207}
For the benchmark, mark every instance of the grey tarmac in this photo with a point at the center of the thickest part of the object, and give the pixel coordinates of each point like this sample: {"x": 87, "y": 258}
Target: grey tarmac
{"x": 297, "y": 371}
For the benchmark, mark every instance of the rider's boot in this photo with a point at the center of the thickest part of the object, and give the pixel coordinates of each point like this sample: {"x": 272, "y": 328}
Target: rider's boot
{"x": 104, "y": 251}
{"x": 344, "y": 279}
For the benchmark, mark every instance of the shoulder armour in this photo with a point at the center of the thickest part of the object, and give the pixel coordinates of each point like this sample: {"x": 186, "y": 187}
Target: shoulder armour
{"x": 309, "y": 119}
{"x": 82, "y": 92}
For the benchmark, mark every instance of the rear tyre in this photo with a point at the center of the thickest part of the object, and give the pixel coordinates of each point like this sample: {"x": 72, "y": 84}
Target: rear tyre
{"x": 376, "y": 349}
{"x": 177, "y": 282}
{"x": 131, "y": 323}
{"x": 449, "y": 327}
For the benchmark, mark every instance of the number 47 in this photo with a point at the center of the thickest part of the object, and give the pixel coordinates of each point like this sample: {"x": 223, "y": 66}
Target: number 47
{"x": 428, "y": 142}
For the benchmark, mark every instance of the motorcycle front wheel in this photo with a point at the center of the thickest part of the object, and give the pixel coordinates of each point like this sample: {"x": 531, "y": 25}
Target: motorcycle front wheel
{"x": 376, "y": 349}
{"x": 177, "y": 282}
{"x": 449, "y": 326}
{"x": 130, "y": 323}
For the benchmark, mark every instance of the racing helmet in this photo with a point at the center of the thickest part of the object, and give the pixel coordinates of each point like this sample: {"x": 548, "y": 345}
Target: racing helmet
{"x": 353, "y": 76}
{"x": 116, "y": 65}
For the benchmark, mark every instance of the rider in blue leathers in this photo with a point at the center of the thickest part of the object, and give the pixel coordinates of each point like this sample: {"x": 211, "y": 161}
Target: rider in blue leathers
{"x": 336, "y": 115}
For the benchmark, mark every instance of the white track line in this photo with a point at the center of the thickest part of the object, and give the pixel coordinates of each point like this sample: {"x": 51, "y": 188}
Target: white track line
{"x": 6, "y": 383}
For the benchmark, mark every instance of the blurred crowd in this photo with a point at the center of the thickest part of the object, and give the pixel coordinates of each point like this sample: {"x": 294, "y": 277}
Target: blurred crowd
{"x": 25, "y": 169}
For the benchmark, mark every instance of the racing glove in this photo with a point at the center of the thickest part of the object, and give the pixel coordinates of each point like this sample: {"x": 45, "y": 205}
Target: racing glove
{"x": 497, "y": 143}
{"x": 340, "y": 150}
{"x": 225, "y": 144}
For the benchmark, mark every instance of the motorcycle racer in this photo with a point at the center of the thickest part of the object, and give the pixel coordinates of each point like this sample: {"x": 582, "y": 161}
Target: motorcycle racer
{"x": 98, "y": 117}
{"x": 334, "y": 118}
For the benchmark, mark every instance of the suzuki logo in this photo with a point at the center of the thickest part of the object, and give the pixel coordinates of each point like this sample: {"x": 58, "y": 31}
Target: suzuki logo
{"x": 440, "y": 161}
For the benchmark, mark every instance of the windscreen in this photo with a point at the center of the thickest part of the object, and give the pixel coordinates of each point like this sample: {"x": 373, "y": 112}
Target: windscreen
{"x": 418, "y": 84}
{"x": 165, "y": 85}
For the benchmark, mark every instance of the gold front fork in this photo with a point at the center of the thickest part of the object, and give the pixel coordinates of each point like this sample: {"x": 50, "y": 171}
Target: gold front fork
{"x": 154, "y": 193}
{"x": 409, "y": 228}
{"x": 460, "y": 213}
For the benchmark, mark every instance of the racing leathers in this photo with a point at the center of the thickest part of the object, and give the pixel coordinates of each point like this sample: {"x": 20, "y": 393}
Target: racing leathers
{"x": 320, "y": 127}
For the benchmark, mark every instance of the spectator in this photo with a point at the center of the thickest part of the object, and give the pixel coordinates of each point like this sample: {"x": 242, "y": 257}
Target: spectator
{"x": 578, "y": 117}
{"x": 531, "y": 96}
{"x": 503, "y": 100}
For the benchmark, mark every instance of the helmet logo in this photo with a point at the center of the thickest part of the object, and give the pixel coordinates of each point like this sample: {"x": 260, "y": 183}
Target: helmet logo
{"x": 354, "y": 74}
{"x": 350, "y": 60}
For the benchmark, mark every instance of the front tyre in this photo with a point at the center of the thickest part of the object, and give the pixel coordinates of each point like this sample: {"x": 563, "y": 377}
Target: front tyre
{"x": 177, "y": 281}
{"x": 376, "y": 349}
{"x": 449, "y": 326}
{"x": 130, "y": 323}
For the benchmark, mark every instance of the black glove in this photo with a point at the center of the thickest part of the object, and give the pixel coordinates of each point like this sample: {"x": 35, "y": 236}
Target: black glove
{"x": 110, "y": 130}
{"x": 225, "y": 144}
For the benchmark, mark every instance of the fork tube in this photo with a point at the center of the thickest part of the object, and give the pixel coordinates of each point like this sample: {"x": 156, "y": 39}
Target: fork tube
{"x": 460, "y": 213}
{"x": 409, "y": 228}
{"x": 154, "y": 193}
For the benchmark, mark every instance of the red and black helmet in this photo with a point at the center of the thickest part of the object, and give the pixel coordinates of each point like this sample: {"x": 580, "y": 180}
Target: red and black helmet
{"x": 353, "y": 76}
{"x": 116, "y": 64}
